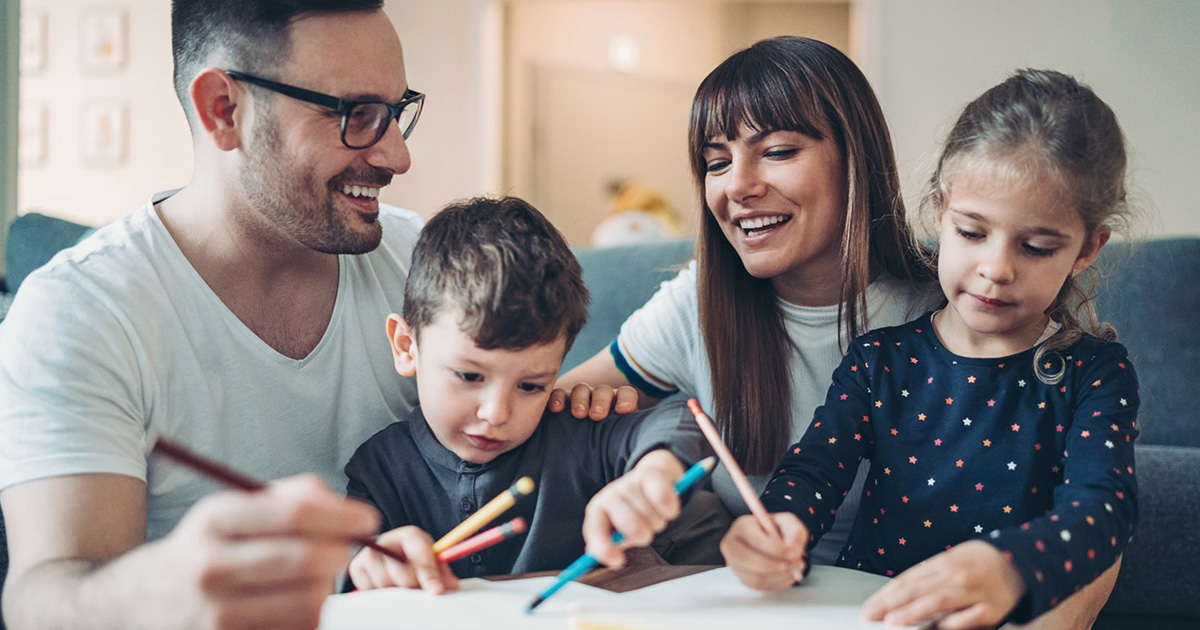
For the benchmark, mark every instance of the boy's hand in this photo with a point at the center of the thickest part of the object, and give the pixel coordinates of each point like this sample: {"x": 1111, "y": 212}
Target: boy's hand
{"x": 594, "y": 403}
{"x": 371, "y": 569}
{"x": 763, "y": 560}
{"x": 968, "y": 586}
{"x": 639, "y": 505}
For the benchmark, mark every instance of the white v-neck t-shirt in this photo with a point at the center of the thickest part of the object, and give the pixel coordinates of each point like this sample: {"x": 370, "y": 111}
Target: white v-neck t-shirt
{"x": 119, "y": 339}
{"x": 662, "y": 345}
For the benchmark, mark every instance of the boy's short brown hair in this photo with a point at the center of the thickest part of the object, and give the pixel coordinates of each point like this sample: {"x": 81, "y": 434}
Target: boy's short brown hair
{"x": 505, "y": 266}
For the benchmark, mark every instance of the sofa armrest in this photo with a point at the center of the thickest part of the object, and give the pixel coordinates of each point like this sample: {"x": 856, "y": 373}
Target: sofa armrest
{"x": 33, "y": 239}
{"x": 1160, "y": 574}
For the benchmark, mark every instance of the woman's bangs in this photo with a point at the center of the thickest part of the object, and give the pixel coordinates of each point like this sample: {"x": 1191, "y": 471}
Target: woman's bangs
{"x": 760, "y": 96}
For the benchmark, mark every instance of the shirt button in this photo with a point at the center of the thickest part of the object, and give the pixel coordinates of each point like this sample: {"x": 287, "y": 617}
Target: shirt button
{"x": 476, "y": 558}
{"x": 467, "y": 506}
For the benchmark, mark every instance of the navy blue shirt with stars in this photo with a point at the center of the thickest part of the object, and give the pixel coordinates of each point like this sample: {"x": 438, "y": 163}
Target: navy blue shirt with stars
{"x": 964, "y": 448}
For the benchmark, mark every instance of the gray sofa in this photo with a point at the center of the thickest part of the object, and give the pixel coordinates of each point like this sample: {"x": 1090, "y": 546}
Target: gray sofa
{"x": 1148, "y": 296}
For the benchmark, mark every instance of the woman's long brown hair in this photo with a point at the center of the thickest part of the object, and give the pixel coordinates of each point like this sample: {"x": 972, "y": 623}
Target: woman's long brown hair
{"x": 803, "y": 85}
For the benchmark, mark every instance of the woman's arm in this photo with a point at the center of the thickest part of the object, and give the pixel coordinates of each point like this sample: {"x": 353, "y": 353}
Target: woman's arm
{"x": 597, "y": 386}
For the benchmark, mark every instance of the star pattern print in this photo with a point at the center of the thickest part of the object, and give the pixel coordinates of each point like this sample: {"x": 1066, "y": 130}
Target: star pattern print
{"x": 964, "y": 448}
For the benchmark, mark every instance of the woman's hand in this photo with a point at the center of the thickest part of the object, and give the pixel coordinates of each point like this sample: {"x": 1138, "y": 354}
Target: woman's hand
{"x": 595, "y": 403}
{"x": 971, "y": 585}
{"x": 766, "y": 560}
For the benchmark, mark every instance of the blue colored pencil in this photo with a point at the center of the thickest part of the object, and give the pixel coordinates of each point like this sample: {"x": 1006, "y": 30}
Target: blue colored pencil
{"x": 587, "y": 561}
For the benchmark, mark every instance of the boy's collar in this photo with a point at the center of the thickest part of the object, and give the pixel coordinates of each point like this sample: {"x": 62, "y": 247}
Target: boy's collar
{"x": 435, "y": 453}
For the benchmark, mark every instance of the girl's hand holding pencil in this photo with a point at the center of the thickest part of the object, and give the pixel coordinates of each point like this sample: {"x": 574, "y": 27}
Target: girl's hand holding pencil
{"x": 765, "y": 551}
{"x": 766, "y": 560}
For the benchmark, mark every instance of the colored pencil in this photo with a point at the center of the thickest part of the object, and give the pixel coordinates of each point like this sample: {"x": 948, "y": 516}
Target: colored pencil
{"x": 735, "y": 471}
{"x": 230, "y": 477}
{"x": 482, "y": 541}
{"x": 587, "y": 561}
{"x": 486, "y": 514}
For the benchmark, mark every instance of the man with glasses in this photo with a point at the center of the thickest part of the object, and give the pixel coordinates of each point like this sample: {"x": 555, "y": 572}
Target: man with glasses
{"x": 240, "y": 315}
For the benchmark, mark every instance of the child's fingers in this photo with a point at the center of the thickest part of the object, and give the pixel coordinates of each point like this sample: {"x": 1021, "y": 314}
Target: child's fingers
{"x": 659, "y": 491}
{"x": 581, "y": 400}
{"x": 794, "y": 534}
{"x": 597, "y": 537}
{"x": 602, "y": 401}
{"x": 448, "y": 578}
{"x": 627, "y": 399}
{"x": 632, "y": 513}
{"x": 909, "y": 586}
{"x": 932, "y": 604}
{"x": 558, "y": 400}
{"x": 743, "y": 548}
{"x": 975, "y": 616}
{"x": 360, "y": 574}
{"x": 755, "y": 570}
{"x": 422, "y": 567}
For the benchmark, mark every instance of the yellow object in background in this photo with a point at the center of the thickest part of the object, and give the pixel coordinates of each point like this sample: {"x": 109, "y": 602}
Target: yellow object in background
{"x": 639, "y": 214}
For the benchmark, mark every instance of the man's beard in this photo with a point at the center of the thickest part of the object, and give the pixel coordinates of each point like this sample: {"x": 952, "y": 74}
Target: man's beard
{"x": 294, "y": 203}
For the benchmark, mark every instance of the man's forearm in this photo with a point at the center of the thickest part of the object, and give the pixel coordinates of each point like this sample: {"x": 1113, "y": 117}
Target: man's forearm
{"x": 76, "y": 594}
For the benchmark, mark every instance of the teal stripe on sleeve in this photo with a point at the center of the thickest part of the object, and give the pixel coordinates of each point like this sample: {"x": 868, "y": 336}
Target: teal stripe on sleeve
{"x": 634, "y": 378}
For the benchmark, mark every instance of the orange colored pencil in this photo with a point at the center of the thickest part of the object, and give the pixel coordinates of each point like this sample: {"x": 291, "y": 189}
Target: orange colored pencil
{"x": 735, "y": 471}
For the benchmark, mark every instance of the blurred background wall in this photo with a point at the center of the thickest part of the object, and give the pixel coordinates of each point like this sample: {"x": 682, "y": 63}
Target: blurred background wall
{"x": 560, "y": 101}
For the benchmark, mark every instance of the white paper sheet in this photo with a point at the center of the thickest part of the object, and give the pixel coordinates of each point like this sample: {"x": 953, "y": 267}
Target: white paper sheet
{"x": 830, "y": 598}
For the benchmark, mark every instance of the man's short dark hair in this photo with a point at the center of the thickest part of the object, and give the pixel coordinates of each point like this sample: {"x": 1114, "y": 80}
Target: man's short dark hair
{"x": 253, "y": 35}
{"x": 505, "y": 266}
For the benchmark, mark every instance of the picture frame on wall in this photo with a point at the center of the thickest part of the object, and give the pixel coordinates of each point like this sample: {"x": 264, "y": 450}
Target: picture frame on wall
{"x": 33, "y": 41}
{"x": 103, "y": 38}
{"x": 104, "y": 133}
{"x": 31, "y": 134}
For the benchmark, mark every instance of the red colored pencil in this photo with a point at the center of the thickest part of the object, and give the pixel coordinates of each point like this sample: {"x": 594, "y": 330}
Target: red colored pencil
{"x": 482, "y": 541}
{"x": 230, "y": 477}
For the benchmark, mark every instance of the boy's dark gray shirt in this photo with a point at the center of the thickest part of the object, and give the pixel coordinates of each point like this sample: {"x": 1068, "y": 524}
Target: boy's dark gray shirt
{"x": 413, "y": 480}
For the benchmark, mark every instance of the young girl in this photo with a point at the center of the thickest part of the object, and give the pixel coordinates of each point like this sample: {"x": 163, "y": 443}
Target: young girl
{"x": 803, "y": 246}
{"x": 1000, "y": 433}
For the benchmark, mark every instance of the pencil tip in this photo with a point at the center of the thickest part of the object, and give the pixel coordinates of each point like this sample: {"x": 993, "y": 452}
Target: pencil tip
{"x": 534, "y": 604}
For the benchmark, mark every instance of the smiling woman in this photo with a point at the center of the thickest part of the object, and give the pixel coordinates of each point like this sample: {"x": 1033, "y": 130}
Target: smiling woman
{"x": 802, "y": 244}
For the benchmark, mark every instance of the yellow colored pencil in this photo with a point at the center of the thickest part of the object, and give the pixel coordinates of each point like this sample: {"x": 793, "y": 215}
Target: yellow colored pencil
{"x": 485, "y": 514}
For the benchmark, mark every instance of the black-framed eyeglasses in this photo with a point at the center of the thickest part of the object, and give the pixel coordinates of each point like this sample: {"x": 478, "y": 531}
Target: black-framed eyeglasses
{"x": 363, "y": 122}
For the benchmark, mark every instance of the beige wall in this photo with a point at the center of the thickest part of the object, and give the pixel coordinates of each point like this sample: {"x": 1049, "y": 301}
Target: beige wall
{"x": 454, "y": 155}
{"x": 451, "y": 52}
{"x": 679, "y": 42}
{"x": 928, "y": 58}
{"x": 158, "y": 154}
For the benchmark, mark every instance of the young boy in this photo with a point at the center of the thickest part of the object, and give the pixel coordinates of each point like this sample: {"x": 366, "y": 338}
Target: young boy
{"x": 493, "y": 303}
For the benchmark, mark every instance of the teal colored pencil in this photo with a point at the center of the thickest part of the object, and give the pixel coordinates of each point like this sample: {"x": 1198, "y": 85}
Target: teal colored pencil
{"x": 587, "y": 561}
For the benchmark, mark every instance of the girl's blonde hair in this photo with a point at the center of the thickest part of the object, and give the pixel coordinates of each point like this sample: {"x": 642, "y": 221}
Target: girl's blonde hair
{"x": 803, "y": 85}
{"x": 1045, "y": 127}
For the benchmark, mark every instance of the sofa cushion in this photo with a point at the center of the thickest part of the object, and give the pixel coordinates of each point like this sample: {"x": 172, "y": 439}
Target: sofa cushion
{"x": 1148, "y": 295}
{"x": 1158, "y": 573}
{"x": 33, "y": 239}
{"x": 621, "y": 280}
